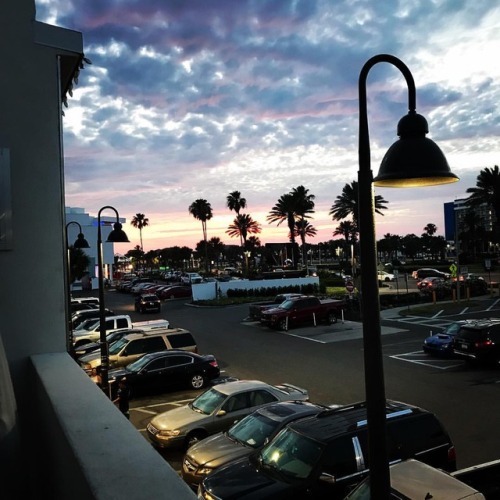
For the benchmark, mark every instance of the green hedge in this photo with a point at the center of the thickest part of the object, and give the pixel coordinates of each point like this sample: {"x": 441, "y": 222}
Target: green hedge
{"x": 274, "y": 290}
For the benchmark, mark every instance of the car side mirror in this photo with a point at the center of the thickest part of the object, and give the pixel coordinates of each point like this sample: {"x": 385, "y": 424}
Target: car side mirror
{"x": 327, "y": 478}
{"x": 221, "y": 413}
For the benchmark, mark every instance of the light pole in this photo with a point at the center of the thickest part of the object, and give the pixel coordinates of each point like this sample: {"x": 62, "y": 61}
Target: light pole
{"x": 413, "y": 160}
{"x": 117, "y": 235}
{"x": 80, "y": 242}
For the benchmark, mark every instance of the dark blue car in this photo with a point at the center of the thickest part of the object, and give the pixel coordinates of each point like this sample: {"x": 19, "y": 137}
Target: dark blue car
{"x": 441, "y": 343}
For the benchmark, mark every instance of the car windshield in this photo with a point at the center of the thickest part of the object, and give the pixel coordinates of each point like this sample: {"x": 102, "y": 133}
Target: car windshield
{"x": 208, "y": 401}
{"x": 288, "y": 304}
{"x": 291, "y": 454}
{"x": 117, "y": 346}
{"x": 253, "y": 430}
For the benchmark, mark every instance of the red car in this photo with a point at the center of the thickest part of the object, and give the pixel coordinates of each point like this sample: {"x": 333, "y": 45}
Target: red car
{"x": 174, "y": 292}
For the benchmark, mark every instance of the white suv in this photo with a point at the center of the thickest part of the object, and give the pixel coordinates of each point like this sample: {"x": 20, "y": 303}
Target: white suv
{"x": 191, "y": 278}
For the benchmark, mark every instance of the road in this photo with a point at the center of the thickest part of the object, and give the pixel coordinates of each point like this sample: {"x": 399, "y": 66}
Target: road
{"x": 328, "y": 361}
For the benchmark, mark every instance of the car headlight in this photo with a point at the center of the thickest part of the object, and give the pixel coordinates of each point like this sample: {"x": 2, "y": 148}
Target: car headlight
{"x": 169, "y": 433}
{"x": 204, "y": 471}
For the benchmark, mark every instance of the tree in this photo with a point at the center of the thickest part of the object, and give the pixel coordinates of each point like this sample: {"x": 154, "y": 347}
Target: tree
{"x": 242, "y": 226}
{"x": 349, "y": 231}
{"x": 139, "y": 221}
{"x": 79, "y": 263}
{"x": 235, "y": 202}
{"x": 487, "y": 191}
{"x": 430, "y": 229}
{"x": 201, "y": 210}
{"x": 302, "y": 229}
{"x": 297, "y": 204}
{"x": 347, "y": 204}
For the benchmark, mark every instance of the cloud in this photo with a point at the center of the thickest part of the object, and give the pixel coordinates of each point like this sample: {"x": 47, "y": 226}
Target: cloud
{"x": 195, "y": 99}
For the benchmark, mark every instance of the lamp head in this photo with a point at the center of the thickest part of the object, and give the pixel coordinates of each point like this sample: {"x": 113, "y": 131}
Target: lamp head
{"x": 81, "y": 242}
{"x": 414, "y": 160}
{"x": 118, "y": 235}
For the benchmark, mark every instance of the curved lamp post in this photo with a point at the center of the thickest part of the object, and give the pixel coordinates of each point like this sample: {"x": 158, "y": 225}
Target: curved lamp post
{"x": 117, "y": 235}
{"x": 80, "y": 242}
{"x": 413, "y": 160}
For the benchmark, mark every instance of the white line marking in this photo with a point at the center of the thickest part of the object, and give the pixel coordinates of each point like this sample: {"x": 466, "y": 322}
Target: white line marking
{"x": 493, "y": 305}
{"x": 438, "y": 313}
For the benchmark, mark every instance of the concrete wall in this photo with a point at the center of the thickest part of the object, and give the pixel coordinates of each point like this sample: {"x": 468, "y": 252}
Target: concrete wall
{"x": 209, "y": 291}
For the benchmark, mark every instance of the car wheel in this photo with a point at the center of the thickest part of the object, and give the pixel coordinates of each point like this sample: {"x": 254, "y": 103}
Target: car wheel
{"x": 197, "y": 381}
{"x": 387, "y": 279}
{"x": 195, "y": 436}
{"x": 332, "y": 318}
{"x": 283, "y": 324}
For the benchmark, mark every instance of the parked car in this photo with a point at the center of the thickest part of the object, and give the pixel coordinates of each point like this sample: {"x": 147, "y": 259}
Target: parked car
{"x": 243, "y": 438}
{"x": 479, "y": 342}
{"x": 191, "y": 278}
{"x": 216, "y": 410}
{"x": 472, "y": 284}
{"x": 79, "y": 317}
{"x": 111, "y": 337}
{"x": 432, "y": 284}
{"x": 174, "y": 292}
{"x": 165, "y": 369}
{"x": 441, "y": 343}
{"x": 426, "y": 272}
{"x": 135, "y": 345}
{"x": 148, "y": 302}
{"x": 255, "y": 309}
{"x": 325, "y": 455}
{"x": 385, "y": 276}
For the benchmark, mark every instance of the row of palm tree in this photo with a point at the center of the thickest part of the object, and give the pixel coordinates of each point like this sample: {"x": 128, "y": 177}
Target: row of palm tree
{"x": 296, "y": 208}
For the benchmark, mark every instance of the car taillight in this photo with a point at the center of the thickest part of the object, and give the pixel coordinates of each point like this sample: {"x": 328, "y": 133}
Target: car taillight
{"x": 452, "y": 454}
{"x": 483, "y": 343}
{"x": 214, "y": 363}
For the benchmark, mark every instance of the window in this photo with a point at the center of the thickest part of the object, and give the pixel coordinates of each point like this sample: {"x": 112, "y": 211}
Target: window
{"x": 236, "y": 402}
{"x": 156, "y": 364}
{"x": 181, "y": 340}
{"x": 261, "y": 397}
{"x": 140, "y": 346}
{"x": 178, "y": 360}
{"x": 339, "y": 459}
{"x": 122, "y": 323}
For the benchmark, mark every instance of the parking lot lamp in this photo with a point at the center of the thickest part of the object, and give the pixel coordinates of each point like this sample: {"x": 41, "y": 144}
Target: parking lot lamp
{"x": 413, "y": 160}
{"x": 117, "y": 235}
{"x": 80, "y": 242}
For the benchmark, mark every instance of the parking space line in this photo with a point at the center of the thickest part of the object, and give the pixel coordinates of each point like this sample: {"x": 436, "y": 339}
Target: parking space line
{"x": 440, "y": 364}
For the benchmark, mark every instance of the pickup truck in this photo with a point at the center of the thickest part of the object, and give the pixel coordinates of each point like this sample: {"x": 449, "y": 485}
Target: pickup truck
{"x": 414, "y": 479}
{"x": 305, "y": 309}
{"x": 91, "y": 332}
{"x": 255, "y": 309}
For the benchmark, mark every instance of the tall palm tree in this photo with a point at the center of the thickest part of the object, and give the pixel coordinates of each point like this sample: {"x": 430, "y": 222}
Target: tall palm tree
{"x": 347, "y": 204}
{"x": 139, "y": 221}
{"x": 235, "y": 202}
{"x": 302, "y": 229}
{"x": 349, "y": 231}
{"x": 487, "y": 191}
{"x": 201, "y": 210}
{"x": 296, "y": 205}
{"x": 430, "y": 229}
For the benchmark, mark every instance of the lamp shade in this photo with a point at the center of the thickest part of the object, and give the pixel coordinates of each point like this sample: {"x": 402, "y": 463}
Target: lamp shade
{"x": 118, "y": 235}
{"x": 81, "y": 242}
{"x": 414, "y": 160}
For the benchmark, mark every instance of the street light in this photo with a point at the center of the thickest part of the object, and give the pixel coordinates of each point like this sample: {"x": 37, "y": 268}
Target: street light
{"x": 80, "y": 242}
{"x": 413, "y": 160}
{"x": 117, "y": 235}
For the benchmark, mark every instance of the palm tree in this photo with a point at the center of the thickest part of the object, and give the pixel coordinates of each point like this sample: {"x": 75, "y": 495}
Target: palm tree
{"x": 242, "y": 226}
{"x": 140, "y": 221}
{"x": 349, "y": 231}
{"x": 235, "y": 202}
{"x": 302, "y": 229}
{"x": 297, "y": 204}
{"x": 430, "y": 229}
{"x": 347, "y": 204}
{"x": 202, "y": 210}
{"x": 487, "y": 191}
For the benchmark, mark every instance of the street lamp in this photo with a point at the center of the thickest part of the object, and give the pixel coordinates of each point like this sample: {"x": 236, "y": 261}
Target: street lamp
{"x": 80, "y": 242}
{"x": 117, "y": 235}
{"x": 413, "y": 160}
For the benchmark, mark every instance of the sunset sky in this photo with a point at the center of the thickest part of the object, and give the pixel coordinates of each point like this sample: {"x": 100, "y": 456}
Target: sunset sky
{"x": 197, "y": 98}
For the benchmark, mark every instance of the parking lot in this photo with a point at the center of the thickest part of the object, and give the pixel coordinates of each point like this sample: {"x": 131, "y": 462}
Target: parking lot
{"x": 328, "y": 361}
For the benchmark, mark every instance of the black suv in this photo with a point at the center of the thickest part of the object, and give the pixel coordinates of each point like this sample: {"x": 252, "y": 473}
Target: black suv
{"x": 148, "y": 303}
{"x": 479, "y": 341}
{"x": 323, "y": 456}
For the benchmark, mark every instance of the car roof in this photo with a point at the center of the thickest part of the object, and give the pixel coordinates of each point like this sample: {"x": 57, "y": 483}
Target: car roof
{"x": 156, "y": 331}
{"x": 169, "y": 352}
{"x": 331, "y": 423}
{"x": 235, "y": 386}
{"x": 290, "y": 410}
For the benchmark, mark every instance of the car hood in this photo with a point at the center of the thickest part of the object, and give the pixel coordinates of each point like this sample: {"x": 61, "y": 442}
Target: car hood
{"x": 242, "y": 478}
{"x": 118, "y": 373}
{"x": 217, "y": 450}
{"x": 273, "y": 310}
{"x": 178, "y": 418}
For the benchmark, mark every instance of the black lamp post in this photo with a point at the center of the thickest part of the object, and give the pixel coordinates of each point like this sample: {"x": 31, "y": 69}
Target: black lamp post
{"x": 80, "y": 242}
{"x": 413, "y": 160}
{"x": 117, "y": 235}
